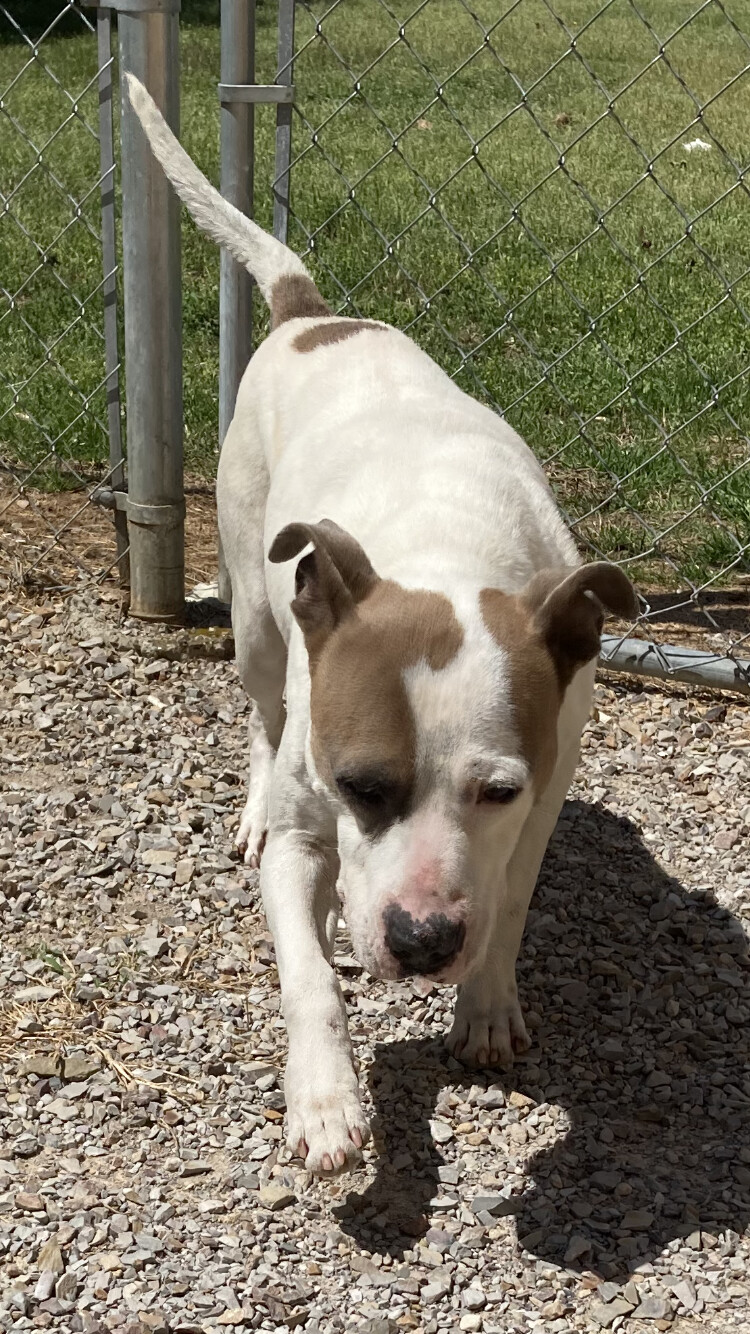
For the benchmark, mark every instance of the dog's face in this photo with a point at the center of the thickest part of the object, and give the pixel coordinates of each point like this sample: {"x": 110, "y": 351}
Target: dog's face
{"x": 433, "y": 730}
{"x": 414, "y": 737}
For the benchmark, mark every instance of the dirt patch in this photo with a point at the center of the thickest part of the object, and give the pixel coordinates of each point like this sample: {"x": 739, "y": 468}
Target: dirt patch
{"x": 59, "y": 540}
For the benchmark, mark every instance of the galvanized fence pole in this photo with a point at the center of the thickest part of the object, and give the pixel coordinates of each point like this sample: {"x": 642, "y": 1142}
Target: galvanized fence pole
{"x": 237, "y": 151}
{"x": 283, "y": 121}
{"x": 149, "y": 48}
{"x": 116, "y": 478}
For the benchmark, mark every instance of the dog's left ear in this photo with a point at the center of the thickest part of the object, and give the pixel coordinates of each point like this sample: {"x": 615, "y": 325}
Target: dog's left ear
{"x": 569, "y": 609}
{"x": 330, "y": 580}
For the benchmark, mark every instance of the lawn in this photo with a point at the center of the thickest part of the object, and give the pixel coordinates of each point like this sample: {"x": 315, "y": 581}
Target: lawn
{"x": 524, "y": 205}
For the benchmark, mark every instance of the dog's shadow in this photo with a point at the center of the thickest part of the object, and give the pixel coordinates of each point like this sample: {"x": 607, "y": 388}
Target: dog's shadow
{"x": 643, "y": 991}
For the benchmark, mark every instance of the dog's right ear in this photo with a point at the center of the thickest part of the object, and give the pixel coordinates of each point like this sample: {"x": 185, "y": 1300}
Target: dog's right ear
{"x": 569, "y": 608}
{"x": 330, "y": 580}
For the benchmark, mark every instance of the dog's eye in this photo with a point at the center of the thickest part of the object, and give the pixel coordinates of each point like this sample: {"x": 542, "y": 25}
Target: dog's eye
{"x": 363, "y": 791}
{"x": 498, "y": 794}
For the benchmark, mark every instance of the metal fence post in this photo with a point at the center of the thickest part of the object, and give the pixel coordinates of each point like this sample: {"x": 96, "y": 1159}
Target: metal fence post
{"x": 237, "y": 150}
{"x": 283, "y": 122}
{"x": 116, "y": 477}
{"x": 149, "y": 47}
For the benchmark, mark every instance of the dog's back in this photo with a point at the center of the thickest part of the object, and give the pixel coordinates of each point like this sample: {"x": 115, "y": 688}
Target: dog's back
{"x": 355, "y": 421}
{"x": 368, "y": 431}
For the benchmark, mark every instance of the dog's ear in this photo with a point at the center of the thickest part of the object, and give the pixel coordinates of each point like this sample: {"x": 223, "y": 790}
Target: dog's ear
{"x": 330, "y": 580}
{"x": 569, "y": 607}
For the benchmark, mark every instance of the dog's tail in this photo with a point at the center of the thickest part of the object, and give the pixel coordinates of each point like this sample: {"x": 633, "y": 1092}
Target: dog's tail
{"x": 279, "y": 273}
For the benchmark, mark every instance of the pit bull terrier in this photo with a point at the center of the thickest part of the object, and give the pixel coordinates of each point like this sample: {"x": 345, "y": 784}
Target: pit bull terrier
{"x": 418, "y": 638}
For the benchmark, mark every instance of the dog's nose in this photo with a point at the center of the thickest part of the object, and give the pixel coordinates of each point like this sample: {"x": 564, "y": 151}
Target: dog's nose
{"x": 422, "y": 946}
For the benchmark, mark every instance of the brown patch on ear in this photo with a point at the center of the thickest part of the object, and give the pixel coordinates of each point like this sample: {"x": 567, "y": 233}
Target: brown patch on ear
{"x": 361, "y": 717}
{"x": 535, "y": 688}
{"x": 329, "y": 582}
{"x": 569, "y": 611}
{"x": 295, "y": 296}
{"x": 332, "y": 331}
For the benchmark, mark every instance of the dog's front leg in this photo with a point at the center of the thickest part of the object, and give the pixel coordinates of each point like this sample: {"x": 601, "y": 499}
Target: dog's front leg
{"x": 488, "y": 1026}
{"x": 326, "y": 1124}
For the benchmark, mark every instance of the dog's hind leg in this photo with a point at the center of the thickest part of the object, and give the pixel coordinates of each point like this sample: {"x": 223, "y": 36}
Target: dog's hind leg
{"x": 251, "y": 834}
{"x": 242, "y": 491}
{"x": 261, "y": 662}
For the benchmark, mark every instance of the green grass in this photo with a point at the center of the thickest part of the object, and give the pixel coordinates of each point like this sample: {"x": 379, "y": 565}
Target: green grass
{"x": 515, "y": 326}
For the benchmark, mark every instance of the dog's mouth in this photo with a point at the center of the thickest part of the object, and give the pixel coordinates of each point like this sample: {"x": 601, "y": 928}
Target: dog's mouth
{"x": 385, "y": 968}
{"x": 445, "y": 975}
{"x": 441, "y": 961}
{"x": 449, "y": 975}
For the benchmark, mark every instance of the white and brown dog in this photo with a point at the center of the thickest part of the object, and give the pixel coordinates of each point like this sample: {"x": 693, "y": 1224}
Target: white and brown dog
{"x": 419, "y": 641}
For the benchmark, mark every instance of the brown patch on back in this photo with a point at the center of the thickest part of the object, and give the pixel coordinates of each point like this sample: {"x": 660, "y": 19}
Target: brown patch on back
{"x": 331, "y": 331}
{"x": 361, "y": 717}
{"x": 535, "y": 690}
{"x": 293, "y": 297}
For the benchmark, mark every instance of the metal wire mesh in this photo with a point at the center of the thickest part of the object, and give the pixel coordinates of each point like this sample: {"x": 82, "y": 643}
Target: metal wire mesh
{"x": 59, "y": 400}
{"x": 551, "y": 196}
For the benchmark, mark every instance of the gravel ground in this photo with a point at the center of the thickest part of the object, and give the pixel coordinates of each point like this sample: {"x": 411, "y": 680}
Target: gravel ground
{"x": 604, "y": 1183}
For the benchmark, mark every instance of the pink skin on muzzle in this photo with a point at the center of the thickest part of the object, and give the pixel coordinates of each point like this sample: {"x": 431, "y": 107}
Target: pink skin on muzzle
{"x": 429, "y": 904}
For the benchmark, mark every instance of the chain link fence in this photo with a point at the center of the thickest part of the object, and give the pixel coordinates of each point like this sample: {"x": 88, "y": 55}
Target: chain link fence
{"x": 551, "y": 197}
{"x": 59, "y": 395}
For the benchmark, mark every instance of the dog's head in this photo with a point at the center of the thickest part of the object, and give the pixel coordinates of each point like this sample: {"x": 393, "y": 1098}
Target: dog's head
{"x": 433, "y": 730}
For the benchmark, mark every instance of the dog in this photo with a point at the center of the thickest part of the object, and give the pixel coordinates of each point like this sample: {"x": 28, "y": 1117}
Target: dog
{"x": 418, "y": 638}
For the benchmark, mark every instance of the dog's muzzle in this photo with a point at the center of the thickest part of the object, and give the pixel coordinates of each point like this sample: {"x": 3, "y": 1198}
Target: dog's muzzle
{"x": 423, "y": 946}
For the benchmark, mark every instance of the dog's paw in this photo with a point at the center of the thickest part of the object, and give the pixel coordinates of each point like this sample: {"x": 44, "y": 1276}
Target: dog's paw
{"x": 325, "y": 1124}
{"x": 251, "y": 835}
{"x": 487, "y": 1035}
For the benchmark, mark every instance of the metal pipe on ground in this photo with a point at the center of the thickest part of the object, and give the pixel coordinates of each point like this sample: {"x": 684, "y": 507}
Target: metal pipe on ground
{"x": 665, "y": 662}
{"x": 148, "y": 33}
{"x": 236, "y": 285}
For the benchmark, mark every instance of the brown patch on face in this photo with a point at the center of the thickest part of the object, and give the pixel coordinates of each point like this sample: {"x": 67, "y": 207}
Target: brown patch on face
{"x": 362, "y": 724}
{"x": 536, "y": 689}
{"x": 549, "y": 632}
{"x": 332, "y": 331}
{"x": 295, "y": 297}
